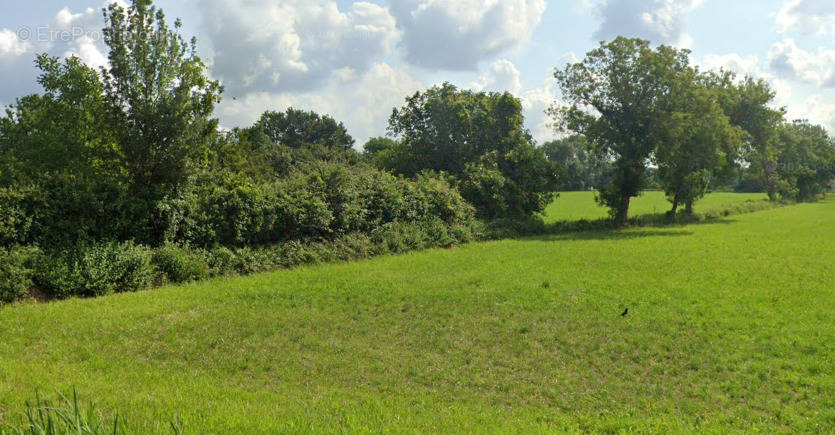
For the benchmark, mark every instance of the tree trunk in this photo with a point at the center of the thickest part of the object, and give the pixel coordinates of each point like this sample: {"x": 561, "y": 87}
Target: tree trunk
{"x": 623, "y": 211}
{"x": 688, "y": 207}
{"x": 675, "y": 206}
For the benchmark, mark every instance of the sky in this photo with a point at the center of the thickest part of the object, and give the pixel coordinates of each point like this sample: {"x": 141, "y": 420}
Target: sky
{"x": 357, "y": 60}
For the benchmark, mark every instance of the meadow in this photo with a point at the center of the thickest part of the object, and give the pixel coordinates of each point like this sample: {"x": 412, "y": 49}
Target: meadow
{"x": 729, "y": 329}
{"x": 572, "y": 206}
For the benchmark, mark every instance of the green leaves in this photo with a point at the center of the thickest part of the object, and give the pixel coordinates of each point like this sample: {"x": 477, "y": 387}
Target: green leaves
{"x": 479, "y": 139}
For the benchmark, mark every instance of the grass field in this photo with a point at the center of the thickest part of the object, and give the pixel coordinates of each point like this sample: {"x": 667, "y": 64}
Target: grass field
{"x": 571, "y": 206}
{"x": 730, "y": 329}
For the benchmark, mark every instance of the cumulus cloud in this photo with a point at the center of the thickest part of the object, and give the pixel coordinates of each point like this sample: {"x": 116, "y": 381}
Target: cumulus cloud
{"x": 457, "y": 35}
{"x": 807, "y": 16}
{"x": 11, "y": 45}
{"x": 816, "y": 110}
{"x": 66, "y": 34}
{"x": 750, "y": 66}
{"x": 362, "y": 101}
{"x": 294, "y": 45}
{"x": 502, "y": 76}
{"x": 659, "y": 21}
{"x": 535, "y": 102}
{"x": 792, "y": 62}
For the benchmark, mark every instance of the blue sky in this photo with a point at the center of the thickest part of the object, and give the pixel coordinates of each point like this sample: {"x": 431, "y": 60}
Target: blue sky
{"x": 357, "y": 60}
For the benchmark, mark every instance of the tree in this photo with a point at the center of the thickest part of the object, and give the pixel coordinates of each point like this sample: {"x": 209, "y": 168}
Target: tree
{"x": 377, "y": 145}
{"x": 474, "y": 137}
{"x": 297, "y": 128}
{"x": 747, "y": 104}
{"x": 697, "y": 142}
{"x": 59, "y": 131}
{"x": 805, "y": 161}
{"x": 613, "y": 99}
{"x": 158, "y": 98}
{"x": 580, "y": 167}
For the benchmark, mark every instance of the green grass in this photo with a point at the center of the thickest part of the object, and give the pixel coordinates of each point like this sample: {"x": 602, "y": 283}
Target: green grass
{"x": 730, "y": 330}
{"x": 572, "y": 206}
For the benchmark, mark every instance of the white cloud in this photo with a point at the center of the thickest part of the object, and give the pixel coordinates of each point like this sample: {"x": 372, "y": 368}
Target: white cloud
{"x": 807, "y": 16}
{"x": 659, "y": 21}
{"x": 11, "y": 45}
{"x": 792, "y": 62}
{"x": 750, "y": 66}
{"x": 502, "y": 76}
{"x": 733, "y": 62}
{"x": 458, "y": 35}
{"x": 293, "y": 45}
{"x": 535, "y": 102}
{"x": 66, "y": 34}
{"x": 362, "y": 101}
{"x": 816, "y": 110}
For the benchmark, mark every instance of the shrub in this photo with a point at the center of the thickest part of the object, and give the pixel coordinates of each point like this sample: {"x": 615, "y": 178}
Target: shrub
{"x": 181, "y": 264}
{"x": 319, "y": 201}
{"x": 15, "y": 273}
{"x": 95, "y": 270}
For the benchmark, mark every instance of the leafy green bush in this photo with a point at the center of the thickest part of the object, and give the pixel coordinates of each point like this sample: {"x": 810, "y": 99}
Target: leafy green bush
{"x": 15, "y": 273}
{"x": 321, "y": 200}
{"x": 95, "y": 270}
{"x": 181, "y": 264}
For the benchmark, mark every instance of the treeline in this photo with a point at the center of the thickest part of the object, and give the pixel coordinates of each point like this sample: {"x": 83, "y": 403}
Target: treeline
{"x": 120, "y": 179}
{"x": 639, "y": 111}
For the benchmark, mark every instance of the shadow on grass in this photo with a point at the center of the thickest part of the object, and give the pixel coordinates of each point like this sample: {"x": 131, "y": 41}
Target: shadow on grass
{"x": 608, "y": 235}
{"x": 604, "y": 229}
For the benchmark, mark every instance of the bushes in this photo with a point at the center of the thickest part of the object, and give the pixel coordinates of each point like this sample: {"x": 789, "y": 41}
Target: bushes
{"x": 181, "y": 264}
{"x": 326, "y": 200}
{"x": 15, "y": 273}
{"x": 94, "y": 270}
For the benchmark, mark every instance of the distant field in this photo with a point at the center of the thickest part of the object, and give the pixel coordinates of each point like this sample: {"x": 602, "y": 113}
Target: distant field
{"x": 572, "y": 206}
{"x": 730, "y": 329}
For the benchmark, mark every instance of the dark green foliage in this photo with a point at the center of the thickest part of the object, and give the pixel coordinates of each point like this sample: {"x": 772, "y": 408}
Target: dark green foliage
{"x": 181, "y": 264}
{"x": 158, "y": 99}
{"x": 474, "y": 137}
{"x": 94, "y": 270}
{"x": 747, "y": 103}
{"x": 15, "y": 273}
{"x": 58, "y": 132}
{"x": 324, "y": 201}
{"x": 297, "y": 129}
{"x": 805, "y": 161}
{"x": 377, "y": 145}
{"x": 697, "y": 144}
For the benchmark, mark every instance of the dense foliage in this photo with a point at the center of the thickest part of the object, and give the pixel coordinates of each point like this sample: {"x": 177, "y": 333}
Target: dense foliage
{"x": 479, "y": 139}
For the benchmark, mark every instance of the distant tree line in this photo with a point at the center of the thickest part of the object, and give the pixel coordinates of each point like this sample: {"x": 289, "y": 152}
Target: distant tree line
{"x": 117, "y": 179}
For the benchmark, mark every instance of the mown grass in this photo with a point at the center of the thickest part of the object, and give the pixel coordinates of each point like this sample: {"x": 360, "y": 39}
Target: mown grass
{"x": 572, "y": 206}
{"x": 730, "y": 330}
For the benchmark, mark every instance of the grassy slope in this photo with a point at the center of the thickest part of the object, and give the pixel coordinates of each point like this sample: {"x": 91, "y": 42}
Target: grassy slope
{"x": 581, "y": 205}
{"x": 730, "y": 327}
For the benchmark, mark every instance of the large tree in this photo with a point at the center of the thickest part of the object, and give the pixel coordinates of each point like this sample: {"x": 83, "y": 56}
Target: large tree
{"x": 159, "y": 99}
{"x": 613, "y": 99}
{"x": 60, "y": 131}
{"x": 697, "y": 142}
{"x": 805, "y": 161}
{"x": 479, "y": 138}
{"x": 748, "y": 104}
